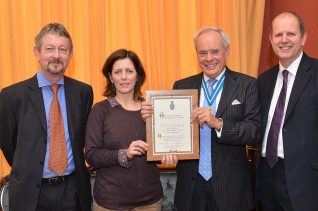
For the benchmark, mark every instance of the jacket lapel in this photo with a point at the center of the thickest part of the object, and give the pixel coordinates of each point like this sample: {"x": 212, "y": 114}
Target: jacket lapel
{"x": 69, "y": 106}
{"x": 195, "y": 83}
{"x": 269, "y": 91}
{"x": 36, "y": 97}
{"x": 303, "y": 76}
{"x": 229, "y": 88}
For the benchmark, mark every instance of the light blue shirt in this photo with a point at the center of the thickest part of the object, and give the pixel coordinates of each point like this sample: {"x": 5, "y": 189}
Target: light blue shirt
{"x": 47, "y": 93}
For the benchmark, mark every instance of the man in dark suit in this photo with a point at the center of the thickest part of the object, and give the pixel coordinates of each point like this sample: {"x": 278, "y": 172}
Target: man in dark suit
{"x": 233, "y": 123}
{"x": 288, "y": 171}
{"x": 26, "y": 131}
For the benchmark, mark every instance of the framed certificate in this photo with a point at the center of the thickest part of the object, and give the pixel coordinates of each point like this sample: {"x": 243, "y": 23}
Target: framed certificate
{"x": 170, "y": 130}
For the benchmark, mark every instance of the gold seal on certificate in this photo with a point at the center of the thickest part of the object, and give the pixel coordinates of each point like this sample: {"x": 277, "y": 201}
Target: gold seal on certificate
{"x": 170, "y": 130}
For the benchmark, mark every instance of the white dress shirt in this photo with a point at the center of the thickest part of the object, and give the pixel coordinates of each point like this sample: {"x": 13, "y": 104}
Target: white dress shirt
{"x": 292, "y": 71}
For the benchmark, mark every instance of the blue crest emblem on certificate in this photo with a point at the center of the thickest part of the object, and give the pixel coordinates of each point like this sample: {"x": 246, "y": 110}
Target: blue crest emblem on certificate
{"x": 172, "y": 106}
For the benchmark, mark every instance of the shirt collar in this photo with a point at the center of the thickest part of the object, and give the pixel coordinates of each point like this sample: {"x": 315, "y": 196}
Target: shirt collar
{"x": 113, "y": 102}
{"x": 293, "y": 67}
{"x": 206, "y": 78}
{"x": 44, "y": 82}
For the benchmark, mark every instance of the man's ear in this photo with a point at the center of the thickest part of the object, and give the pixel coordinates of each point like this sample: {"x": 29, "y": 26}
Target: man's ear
{"x": 36, "y": 52}
{"x": 304, "y": 39}
{"x": 270, "y": 38}
{"x": 227, "y": 51}
{"x": 71, "y": 54}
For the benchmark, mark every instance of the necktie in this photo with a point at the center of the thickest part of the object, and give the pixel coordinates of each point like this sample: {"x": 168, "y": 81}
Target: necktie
{"x": 58, "y": 154}
{"x": 205, "y": 161}
{"x": 272, "y": 139}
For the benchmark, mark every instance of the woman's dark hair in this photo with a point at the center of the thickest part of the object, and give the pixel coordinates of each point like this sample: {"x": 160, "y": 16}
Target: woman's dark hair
{"x": 110, "y": 90}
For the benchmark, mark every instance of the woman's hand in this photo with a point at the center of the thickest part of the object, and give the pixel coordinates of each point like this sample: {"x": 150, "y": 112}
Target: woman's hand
{"x": 136, "y": 148}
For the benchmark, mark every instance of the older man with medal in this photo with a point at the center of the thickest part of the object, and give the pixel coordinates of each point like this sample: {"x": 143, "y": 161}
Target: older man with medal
{"x": 229, "y": 119}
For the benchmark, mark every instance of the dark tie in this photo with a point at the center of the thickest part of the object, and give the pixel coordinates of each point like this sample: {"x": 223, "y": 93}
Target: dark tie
{"x": 205, "y": 161}
{"x": 58, "y": 154}
{"x": 272, "y": 139}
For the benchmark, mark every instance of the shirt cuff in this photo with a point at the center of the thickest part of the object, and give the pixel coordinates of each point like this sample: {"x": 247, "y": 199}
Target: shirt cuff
{"x": 219, "y": 132}
{"x": 122, "y": 159}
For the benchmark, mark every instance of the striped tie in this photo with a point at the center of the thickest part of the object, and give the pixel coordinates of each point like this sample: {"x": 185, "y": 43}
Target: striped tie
{"x": 205, "y": 161}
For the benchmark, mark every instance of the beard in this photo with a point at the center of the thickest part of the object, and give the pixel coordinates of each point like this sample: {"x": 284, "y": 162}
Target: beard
{"x": 53, "y": 69}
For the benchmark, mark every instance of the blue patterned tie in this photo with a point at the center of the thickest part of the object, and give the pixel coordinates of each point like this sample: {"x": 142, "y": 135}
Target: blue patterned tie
{"x": 205, "y": 163}
{"x": 272, "y": 139}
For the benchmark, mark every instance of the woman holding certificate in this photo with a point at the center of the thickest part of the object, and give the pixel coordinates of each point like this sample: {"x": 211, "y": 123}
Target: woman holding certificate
{"x": 115, "y": 141}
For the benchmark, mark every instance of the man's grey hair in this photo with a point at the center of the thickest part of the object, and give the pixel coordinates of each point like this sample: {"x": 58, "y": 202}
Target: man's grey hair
{"x": 52, "y": 28}
{"x": 225, "y": 37}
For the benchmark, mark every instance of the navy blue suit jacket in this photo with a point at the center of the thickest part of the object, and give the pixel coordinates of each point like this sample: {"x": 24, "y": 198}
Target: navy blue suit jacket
{"x": 23, "y": 139}
{"x": 300, "y": 132}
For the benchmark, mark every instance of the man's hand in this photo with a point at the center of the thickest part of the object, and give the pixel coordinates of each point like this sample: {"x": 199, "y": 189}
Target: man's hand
{"x": 169, "y": 160}
{"x": 205, "y": 116}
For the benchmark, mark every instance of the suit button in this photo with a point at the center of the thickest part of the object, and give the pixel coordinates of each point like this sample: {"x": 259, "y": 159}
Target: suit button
{"x": 41, "y": 162}
{"x": 37, "y": 185}
{"x": 284, "y": 130}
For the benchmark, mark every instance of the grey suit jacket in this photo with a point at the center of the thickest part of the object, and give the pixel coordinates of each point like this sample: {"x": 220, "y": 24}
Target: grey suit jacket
{"x": 23, "y": 138}
{"x": 241, "y": 126}
{"x": 300, "y": 132}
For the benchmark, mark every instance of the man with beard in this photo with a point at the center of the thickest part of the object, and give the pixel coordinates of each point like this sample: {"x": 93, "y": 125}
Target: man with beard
{"x": 42, "y": 124}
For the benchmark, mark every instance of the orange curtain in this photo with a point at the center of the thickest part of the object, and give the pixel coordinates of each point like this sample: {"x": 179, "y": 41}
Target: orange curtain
{"x": 160, "y": 31}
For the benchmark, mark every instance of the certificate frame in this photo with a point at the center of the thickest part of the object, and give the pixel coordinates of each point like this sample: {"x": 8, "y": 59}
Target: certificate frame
{"x": 170, "y": 129}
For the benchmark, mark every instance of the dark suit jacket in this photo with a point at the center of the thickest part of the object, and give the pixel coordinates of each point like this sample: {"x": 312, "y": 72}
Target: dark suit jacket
{"x": 23, "y": 138}
{"x": 300, "y": 132}
{"x": 230, "y": 168}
